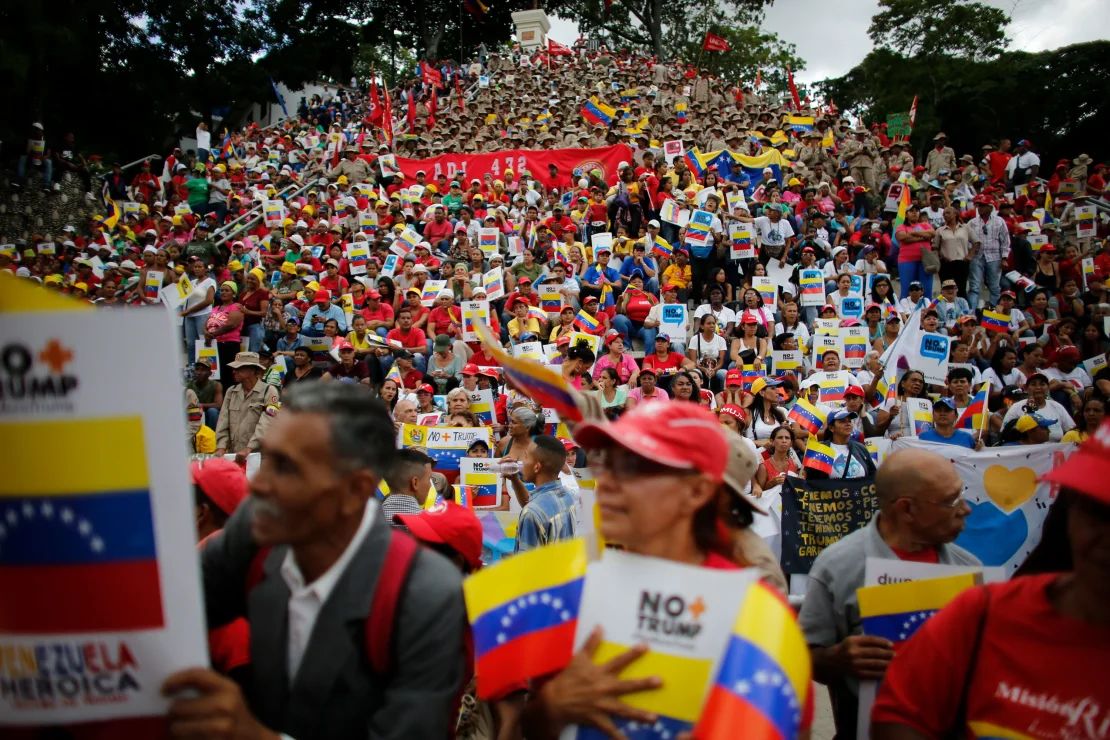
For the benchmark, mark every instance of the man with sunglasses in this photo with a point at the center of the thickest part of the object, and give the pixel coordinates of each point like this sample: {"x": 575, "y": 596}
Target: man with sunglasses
{"x": 921, "y": 512}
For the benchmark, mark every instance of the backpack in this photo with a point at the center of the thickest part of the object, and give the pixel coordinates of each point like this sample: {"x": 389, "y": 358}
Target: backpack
{"x": 394, "y": 574}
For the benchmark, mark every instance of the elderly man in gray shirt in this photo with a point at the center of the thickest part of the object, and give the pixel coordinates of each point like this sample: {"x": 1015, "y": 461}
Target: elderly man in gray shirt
{"x": 921, "y": 511}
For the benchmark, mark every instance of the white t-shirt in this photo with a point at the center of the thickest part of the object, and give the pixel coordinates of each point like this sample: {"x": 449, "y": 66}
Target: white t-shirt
{"x": 725, "y": 315}
{"x": 204, "y": 139}
{"x": 708, "y": 348}
{"x": 1078, "y": 377}
{"x": 1014, "y": 377}
{"x": 773, "y": 234}
{"x": 799, "y": 330}
{"x": 200, "y": 290}
{"x": 1050, "y": 410}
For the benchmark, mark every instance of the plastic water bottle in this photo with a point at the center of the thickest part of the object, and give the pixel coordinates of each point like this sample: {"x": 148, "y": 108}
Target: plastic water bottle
{"x": 509, "y": 468}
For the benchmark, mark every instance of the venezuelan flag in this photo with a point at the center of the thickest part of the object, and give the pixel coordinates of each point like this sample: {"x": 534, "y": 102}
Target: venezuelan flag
{"x": 895, "y": 611}
{"x": 768, "y": 291}
{"x": 483, "y": 488}
{"x": 975, "y": 416}
{"x": 537, "y": 313}
{"x": 607, "y": 299}
{"x": 662, "y": 247}
{"x": 680, "y": 112}
{"x": 523, "y": 612}
{"x": 832, "y": 390}
{"x": 693, "y": 161}
{"x": 748, "y": 375}
{"x": 562, "y": 256}
{"x": 762, "y": 688}
{"x": 922, "y": 420}
{"x": 585, "y": 322}
{"x": 885, "y": 389}
{"x": 78, "y": 549}
{"x": 800, "y": 123}
{"x": 818, "y": 456}
{"x": 482, "y": 409}
{"x": 807, "y": 416}
{"x": 597, "y": 113}
{"x": 995, "y": 321}
{"x": 110, "y": 219}
{"x": 394, "y": 374}
{"x": 855, "y": 347}
{"x": 533, "y": 379}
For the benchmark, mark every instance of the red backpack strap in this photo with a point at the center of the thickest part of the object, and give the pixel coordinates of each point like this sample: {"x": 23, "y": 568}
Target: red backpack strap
{"x": 399, "y": 556}
{"x": 256, "y": 572}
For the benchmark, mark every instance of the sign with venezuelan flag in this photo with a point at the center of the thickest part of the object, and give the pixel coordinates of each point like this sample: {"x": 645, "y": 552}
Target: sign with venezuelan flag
{"x": 683, "y": 613}
{"x": 91, "y": 620}
{"x": 480, "y": 475}
{"x": 445, "y": 445}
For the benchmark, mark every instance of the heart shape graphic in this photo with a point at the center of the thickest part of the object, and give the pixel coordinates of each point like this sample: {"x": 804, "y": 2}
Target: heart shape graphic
{"x": 992, "y": 536}
{"x": 1007, "y": 488}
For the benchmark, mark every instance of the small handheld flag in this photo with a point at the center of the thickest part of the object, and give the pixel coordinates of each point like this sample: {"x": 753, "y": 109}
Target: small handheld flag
{"x": 995, "y": 321}
{"x": 818, "y": 456}
{"x": 896, "y": 611}
{"x": 585, "y": 322}
{"x": 807, "y": 416}
{"x": 975, "y": 416}
{"x": 523, "y": 612}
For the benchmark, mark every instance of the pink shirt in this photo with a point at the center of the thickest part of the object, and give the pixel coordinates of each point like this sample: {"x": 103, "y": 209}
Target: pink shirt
{"x": 624, "y": 368}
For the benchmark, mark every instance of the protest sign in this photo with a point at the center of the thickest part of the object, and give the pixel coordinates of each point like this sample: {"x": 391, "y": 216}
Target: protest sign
{"x": 735, "y": 199}
{"x": 683, "y": 613}
{"x": 46, "y": 249}
{"x": 481, "y": 476}
{"x": 367, "y": 220}
{"x": 898, "y": 124}
{"x": 481, "y": 404}
{"x": 358, "y": 254}
{"x": 428, "y": 420}
{"x": 430, "y": 291}
{"x": 782, "y": 273}
{"x": 768, "y": 290}
{"x": 670, "y": 212}
{"x": 917, "y": 416}
{"x": 529, "y": 350}
{"x": 601, "y": 241}
{"x": 97, "y": 611}
{"x": 785, "y": 359}
{"x": 472, "y": 310}
{"x": 851, "y": 307}
{"x": 494, "y": 284}
{"x": 1088, "y": 269}
{"x": 741, "y": 242}
{"x": 405, "y": 242}
{"x": 204, "y": 350}
{"x": 855, "y": 345}
{"x": 822, "y": 343}
{"x": 488, "y": 240}
{"x": 1085, "y": 225}
{"x": 273, "y": 211}
{"x": 592, "y": 340}
{"x": 672, "y": 149}
{"x": 1008, "y": 503}
{"x": 1094, "y": 365}
{"x": 812, "y": 287}
{"x": 815, "y": 514}
{"x": 673, "y": 321}
{"x": 388, "y": 163}
{"x": 152, "y": 285}
{"x": 893, "y": 196}
{"x": 445, "y": 445}
{"x": 389, "y": 267}
{"x": 929, "y": 354}
{"x": 699, "y": 227}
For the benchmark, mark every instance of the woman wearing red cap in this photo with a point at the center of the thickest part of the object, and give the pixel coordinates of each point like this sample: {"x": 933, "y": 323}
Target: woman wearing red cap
{"x": 1017, "y": 659}
{"x": 661, "y": 471}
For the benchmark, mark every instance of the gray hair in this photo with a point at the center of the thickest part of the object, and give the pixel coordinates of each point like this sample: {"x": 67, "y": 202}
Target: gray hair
{"x": 460, "y": 391}
{"x": 525, "y": 416}
{"x": 361, "y": 432}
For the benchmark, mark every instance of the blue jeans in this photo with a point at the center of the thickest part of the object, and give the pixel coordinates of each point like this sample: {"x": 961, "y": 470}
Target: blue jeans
{"x": 909, "y": 272}
{"x": 194, "y": 330}
{"x": 47, "y": 171}
{"x": 979, "y": 269}
{"x": 420, "y": 362}
{"x": 630, "y": 330}
{"x": 255, "y": 333}
{"x": 212, "y": 417}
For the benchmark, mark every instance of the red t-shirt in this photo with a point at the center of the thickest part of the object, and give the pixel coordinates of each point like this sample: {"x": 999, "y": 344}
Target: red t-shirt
{"x": 412, "y": 339}
{"x": 670, "y": 364}
{"x": 437, "y": 232}
{"x": 928, "y": 555}
{"x": 1033, "y": 668}
{"x": 384, "y": 312}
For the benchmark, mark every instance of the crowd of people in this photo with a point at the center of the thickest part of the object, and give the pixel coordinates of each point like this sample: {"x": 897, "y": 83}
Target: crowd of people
{"x": 327, "y": 329}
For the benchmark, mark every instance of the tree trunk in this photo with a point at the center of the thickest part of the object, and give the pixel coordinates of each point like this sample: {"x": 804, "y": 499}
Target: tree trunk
{"x": 655, "y": 28}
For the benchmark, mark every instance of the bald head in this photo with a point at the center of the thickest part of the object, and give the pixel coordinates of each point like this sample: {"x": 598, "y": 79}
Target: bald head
{"x": 911, "y": 472}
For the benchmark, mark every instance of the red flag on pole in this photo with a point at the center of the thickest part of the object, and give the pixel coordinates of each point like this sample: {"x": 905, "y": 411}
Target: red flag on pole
{"x": 758, "y": 79}
{"x": 713, "y": 42}
{"x": 913, "y": 112}
{"x": 793, "y": 88}
{"x": 387, "y": 117}
{"x": 430, "y": 75}
{"x": 433, "y": 103}
{"x": 412, "y": 112}
{"x": 375, "y": 103}
{"x": 458, "y": 90}
{"x": 554, "y": 48}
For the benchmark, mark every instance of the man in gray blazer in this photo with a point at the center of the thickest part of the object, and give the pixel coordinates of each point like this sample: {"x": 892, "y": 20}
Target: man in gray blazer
{"x": 312, "y": 506}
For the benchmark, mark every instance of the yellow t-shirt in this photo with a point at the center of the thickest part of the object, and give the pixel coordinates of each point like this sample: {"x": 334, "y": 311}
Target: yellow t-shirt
{"x": 363, "y": 343}
{"x": 530, "y": 325}
{"x": 680, "y": 276}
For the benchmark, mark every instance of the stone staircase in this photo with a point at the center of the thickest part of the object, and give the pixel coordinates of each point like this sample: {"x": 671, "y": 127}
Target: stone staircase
{"x": 30, "y": 212}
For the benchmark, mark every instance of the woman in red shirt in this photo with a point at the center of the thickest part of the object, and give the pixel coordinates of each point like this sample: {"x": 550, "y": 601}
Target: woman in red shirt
{"x": 678, "y": 503}
{"x": 664, "y": 360}
{"x": 255, "y": 303}
{"x": 633, "y": 308}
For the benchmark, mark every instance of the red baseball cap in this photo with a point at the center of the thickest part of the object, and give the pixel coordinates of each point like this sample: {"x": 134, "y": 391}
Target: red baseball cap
{"x": 426, "y": 388}
{"x": 373, "y": 295}
{"x": 322, "y": 296}
{"x": 447, "y": 523}
{"x": 854, "y": 390}
{"x": 224, "y": 482}
{"x": 1088, "y": 469}
{"x": 734, "y": 377}
{"x": 675, "y": 434}
{"x": 470, "y": 369}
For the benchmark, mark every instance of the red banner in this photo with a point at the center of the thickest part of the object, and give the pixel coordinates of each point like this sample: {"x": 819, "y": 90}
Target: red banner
{"x": 536, "y": 161}
{"x": 713, "y": 42}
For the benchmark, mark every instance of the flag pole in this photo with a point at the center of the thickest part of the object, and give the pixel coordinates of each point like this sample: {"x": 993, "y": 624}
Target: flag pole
{"x": 701, "y": 51}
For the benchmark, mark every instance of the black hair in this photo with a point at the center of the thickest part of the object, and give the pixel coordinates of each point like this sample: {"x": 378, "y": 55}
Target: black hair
{"x": 958, "y": 373}
{"x": 581, "y": 351}
{"x": 219, "y": 518}
{"x": 550, "y": 452}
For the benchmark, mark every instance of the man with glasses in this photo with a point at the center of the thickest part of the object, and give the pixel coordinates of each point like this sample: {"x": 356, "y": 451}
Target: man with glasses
{"x": 921, "y": 512}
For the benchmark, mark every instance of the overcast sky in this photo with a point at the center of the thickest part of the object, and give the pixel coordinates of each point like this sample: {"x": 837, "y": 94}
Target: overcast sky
{"x": 832, "y": 36}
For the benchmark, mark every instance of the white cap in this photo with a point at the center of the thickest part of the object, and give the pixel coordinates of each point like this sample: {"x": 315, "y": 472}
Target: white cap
{"x": 654, "y": 223}
{"x": 128, "y": 265}
{"x": 297, "y": 239}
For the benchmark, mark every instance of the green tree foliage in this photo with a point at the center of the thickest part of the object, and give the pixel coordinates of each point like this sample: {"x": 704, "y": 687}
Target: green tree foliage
{"x": 752, "y": 52}
{"x": 665, "y": 28}
{"x": 1059, "y": 99}
{"x": 959, "y": 28}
